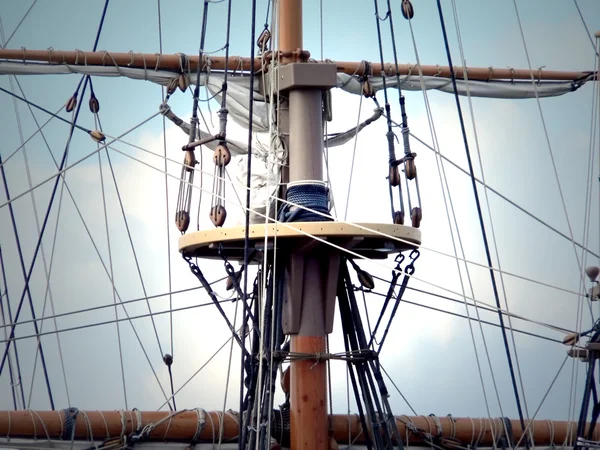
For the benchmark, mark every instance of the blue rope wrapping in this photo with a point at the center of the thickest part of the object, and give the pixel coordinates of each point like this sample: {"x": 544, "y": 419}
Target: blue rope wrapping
{"x": 310, "y": 195}
{"x": 70, "y": 420}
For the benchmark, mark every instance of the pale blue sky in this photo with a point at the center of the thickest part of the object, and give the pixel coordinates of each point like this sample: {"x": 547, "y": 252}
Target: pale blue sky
{"x": 430, "y": 355}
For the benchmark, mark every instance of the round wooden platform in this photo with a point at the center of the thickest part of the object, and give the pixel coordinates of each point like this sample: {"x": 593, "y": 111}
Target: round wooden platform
{"x": 296, "y": 236}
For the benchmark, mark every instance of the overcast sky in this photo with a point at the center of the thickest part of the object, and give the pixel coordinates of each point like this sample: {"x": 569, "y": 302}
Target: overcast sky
{"x": 430, "y": 355}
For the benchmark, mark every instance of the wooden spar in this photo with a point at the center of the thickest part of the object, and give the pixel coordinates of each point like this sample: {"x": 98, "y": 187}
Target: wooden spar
{"x": 152, "y": 61}
{"x": 182, "y": 427}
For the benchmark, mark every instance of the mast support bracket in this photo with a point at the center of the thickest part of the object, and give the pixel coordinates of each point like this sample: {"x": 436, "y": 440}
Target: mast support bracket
{"x": 307, "y": 76}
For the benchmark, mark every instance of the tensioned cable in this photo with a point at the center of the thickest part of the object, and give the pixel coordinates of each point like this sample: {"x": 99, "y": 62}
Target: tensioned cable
{"x": 542, "y": 402}
{"x": 130, "y": 238}
{"x": 288, "y": 225}
{"x": 26, "y": 291}
{"x": 54, "y": 241}
{"x": 54, "y": 115}
{"x": 397, "y": 389}
{"x": 329, "y": 216}
{"x": 461, "y": 301}
{"x": 47, "y": 267}
{"x": 168, "y": 221}
{"x": 481, "y": 222}
{"x": 242, "y": 430}
{"x": 595, "y": 113}
{"x": 354, "y": 254}
{"x": 110, "y": 260}
{"x": 468, "y": 317}
{"x": 19, "y": 24}
{"x": 80, "y": 160}
{"x": 223, "y": 129}
{"x": 353, "y": 158}
{"x": 119, "y": 303}
{"x": 587, "y": 30}
{"x": 274, "y": 197}
{"x": 18, "y": 384}
{"x": 449, "y": 206}
{"x": 119, "y": 198}
{"x": 489, "y": 211}
{"x": 108, "y": 322}
{"x": 61, "y": 171}
{"x": 29, "y": 273}
{"x": 199, "y": 370}
{"x": 272, "y": 160}
{"x": 15, "y": 151}
{"x": 388, "y": 111}
{"x": 39, "y": 347}
{"x": 503, "y": 197}
{"x": 360, "y": 226}
{"x": 550, "y": 151}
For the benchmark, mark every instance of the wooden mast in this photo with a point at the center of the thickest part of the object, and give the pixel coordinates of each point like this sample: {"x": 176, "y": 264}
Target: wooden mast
{"x": 152, "y": 61}
{"x": 308, "y": 380}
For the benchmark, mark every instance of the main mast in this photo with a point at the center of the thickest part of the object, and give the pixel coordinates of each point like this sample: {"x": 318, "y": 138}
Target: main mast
{"x": 306, "y": 275}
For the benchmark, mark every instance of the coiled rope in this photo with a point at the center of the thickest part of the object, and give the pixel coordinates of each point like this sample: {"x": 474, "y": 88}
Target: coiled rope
{"x": 310, "y": 194}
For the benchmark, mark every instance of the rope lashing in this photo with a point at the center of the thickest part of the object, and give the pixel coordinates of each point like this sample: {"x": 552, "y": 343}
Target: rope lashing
{"x": 70, "y": 420}
{"x": 310, "y": 194}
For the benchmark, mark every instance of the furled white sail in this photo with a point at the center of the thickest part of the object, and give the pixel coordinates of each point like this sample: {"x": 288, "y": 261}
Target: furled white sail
{"x": 238, "y": 86}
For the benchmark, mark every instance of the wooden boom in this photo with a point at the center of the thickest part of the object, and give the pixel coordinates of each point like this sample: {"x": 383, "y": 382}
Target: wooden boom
{"x": 182, "y": 426}
{"x": 155, "y": 61}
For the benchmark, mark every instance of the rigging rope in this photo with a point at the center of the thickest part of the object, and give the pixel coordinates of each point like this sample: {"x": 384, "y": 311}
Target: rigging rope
{"x": 374, "y": 392}
{"x": 222, "y": 155}
{"x": 29, "y": 273}
{"x": 47, "y": 267}
{"x": 167, "y": 358}
{"x": 39, "y": 347}
{"x": 61, "y": 172}
{"x": 18, "y": 384}
{"x": 184, "y": 197}
{"x": 492, "y": 228}
{"x": 408, "y": 159}
{"x": 168, "y": 222}
{"x": 394, "y": 176}
{"x": 579, "y": 318}
{"x": 95, "y": 108}
{"x": 481, "y": 222}
{"x": 244, "y": 361}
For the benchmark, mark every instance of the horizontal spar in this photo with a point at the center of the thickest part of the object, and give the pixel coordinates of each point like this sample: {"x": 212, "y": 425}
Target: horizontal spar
{"x": 156, "y": 61}
{"x": 204, "y": 425}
